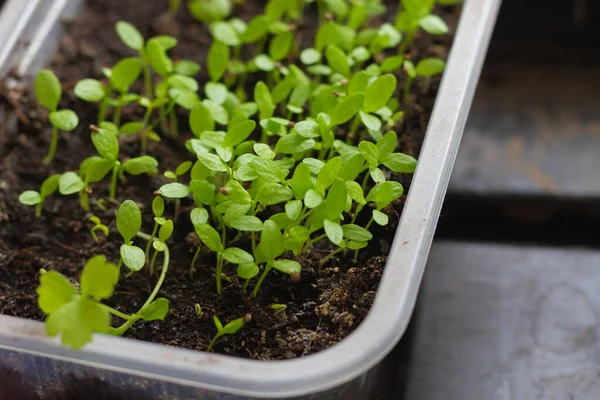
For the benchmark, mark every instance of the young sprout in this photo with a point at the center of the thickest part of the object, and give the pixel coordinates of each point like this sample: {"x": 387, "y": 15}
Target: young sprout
{"x": 277, "y": 308}
{"x": 425, "y": 68}
{"x": 98, "y": 226}
{"x": 48, "y": 93}
{"x": 164, "y": 233}
{"x": 198, "y": 311}
{"x": 34, "y": 198}
{"x": 181, "y": 170}
{"x": 198, "y": 216}
{"x": 417, "y": 14}
{"x": 158, "y": 208}
{"x": 129, "y": 222}
{"x": 230, "y": 329}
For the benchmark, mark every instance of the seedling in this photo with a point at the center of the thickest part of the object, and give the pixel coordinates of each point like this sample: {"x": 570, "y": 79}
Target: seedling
{"x": 417, "y": 14}
{"x": 34, "y": 198}
{"x": 48, "y": 92}
{"x": 129, "y": 223}
{"x": 277, "y": 308}
{"x": 158, "y": 208}
{"x": 98, "y": 226}
{"x": 425, "y": 68}
{"x": 230, "y": 329}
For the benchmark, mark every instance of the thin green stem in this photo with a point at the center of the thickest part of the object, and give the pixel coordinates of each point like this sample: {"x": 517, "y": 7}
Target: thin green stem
{"x": 152, "y": 236}
{"x": 120, "y": 263}
{"x": 260, "y": 281}
{"x": 406, "y": 95}
{"x": 148, "y": 81}
{"x": 134, "y": 318}
{"x": 253, "y": 236}
{"x": 53, "y": 145}
{"x": 173, "y": 124}
{"x": 144, "y": 143}
{"x": 113, "y": 182}
{"x": 355, "y": 124}
{"x": 218, "y": 273}
{"x": 38, "y": 209}
{"x": 406, "y": 42}
{"x": 328, "y": 257}
{"x": 315, "y": 240}
{"x": 103, "y": 108}
{"x": 369, "y": 224}
{"x": 193, "y": 264}
{"x": 117, "y": 115}
{"x": 246, "y": 285}
{"x": 152, "y": 261}
{"x": 116, "y": 312}
{"x": 213, "y": 341}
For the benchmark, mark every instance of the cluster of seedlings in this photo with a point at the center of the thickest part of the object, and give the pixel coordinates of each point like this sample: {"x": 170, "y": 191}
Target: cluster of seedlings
{"x": 289, "y": 147}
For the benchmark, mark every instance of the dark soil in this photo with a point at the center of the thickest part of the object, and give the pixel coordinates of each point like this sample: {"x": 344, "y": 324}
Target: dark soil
{"x": 321, "y": 310}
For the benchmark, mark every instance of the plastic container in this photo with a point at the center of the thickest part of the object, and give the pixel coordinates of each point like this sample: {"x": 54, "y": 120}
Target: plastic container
{"x": 111, "y": 367}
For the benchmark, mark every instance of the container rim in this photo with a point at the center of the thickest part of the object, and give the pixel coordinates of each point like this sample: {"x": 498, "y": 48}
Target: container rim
{"x": 394, "y": 302}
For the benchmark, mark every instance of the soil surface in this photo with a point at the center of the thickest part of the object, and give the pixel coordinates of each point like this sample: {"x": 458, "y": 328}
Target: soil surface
{"x": 322, "y": 309}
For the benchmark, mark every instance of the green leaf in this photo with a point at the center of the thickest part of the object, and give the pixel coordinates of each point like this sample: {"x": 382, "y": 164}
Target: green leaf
{"x": 293, "y": 143}
{"x": 225, "y": 32}
{"x": 356, "y": 245}
{"x": 273, "y": 193}
{"x": 293, "y": 209}
{"x": 47, "y": 89}
{"x": 329, "y": 173}
{"x": 201, "y": 119}
{"x": 129, "y": 220}
{"x": 347, "y": 109}
{"x": 210, "y": 10}
{"x": 280, "y": 45}
{"x": 358, "y": 83}
{"x": 310, "y": 56}
{"x": 334, "y": 232}
{"x": 159, "y": 246}
{"x": 355, "y": 191}
{"x": 140, "y": 165}
{"x": 379, "y": 93}
{"x": 430, "y": 67}
{"x": 77, "y": 320}
{"x": 264, "y": 151}
{"x": 308, "y": 129}
{"x": 336, "y": 199}
{"x": 301, "y": 181}
{"x": 312, "y": 199}
{"x": 271, "y": 241}
{"x": 131, "y": 128}
{"x": 217, "y": 323}
{"x": 398, "y": 162}
{"x": 287, "y": 266}
{"x": 433, "y": 25}
{"x": 371, "y": 122}
{"x": 337, "y": 60}
{"x": 199, "y": 216}
{"x": 384, "y": 195}
{"x": 158, "y": 206}
{"x": 183, "y": 168}
{"x": 370, "y": 151}
{"x": 212, "y": 162}
{"x": 174, "y": 190}
{"x": 380, "y": 218}
{"x": 239, "y": 132}
{"x": 50, "y": 185}
{"x": 187, "y": 67}
{"x": 30, "y": 198}
{"x": 106, "y": 144}
{"x": 184, "y": 98}
{"x": 264, "y": 63}
{"x": 159, "y": 60}
{"x": 215, "y": 91}
{"x": 377, "y": 175}
{"x": 204, "y": 191}
{"x": 99, "y": 278}
{"x": 267, "y": 169}
{"x": 130, "y": 36}
{"x": 70, "y": 183}
{"x": 133, "y": 257}
{"x": 96, "y": 169}
{"x": 299, "y": 233}
{"x": 89, "y": 90}
{"x": 54, "y": 291}
{"x": 418, "y": 8}
{"x": 409, "y": 67}
{"x": 263, "y": 100}
{"x": 355, "y": 232}
{"x": 256, "y": 30}
{"x": 352, "y": 167}
{"x": 235, "y": 255}
{"x": 360, "y": 54}
{"x": 218, "y": 112}
{"x": 218, "y": 58}
{"x": 237, "y": 193}
{"x": 165, "y": 231}
{"x": 234, "y": 326}
{"x": 247, "y": 223}
{"x": 210, "y": 237}
{"x": 247, "y": 270}
{"x": 387, "y": 144}
{"x": 158, "y": 309}
{"x": 125, "y": 73}
{"x": 391, "y": 63}
{"x": 183, "y": 82}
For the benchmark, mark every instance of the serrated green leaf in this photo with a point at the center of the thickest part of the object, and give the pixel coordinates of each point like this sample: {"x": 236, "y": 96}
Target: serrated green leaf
{"x": 99, "y": 278}
{"x": 54, "y": 291}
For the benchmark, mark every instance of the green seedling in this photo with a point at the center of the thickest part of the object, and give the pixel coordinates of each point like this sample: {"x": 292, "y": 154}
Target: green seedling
{"x": 277, "y": 308}
{"x": 425, "y": 68}
{"x": 230, "y": 329}
{"x": 98, "y": 226}
{"x": 75, "y": 315}
{"x": 180, "y": 171}
{"x": 129, "y": 223}
{"x": 34, "y": 198}
{"x": 198, "y": 216}
{"x": 48, "y": 92}
{"x": 198, "y": 311}
{"x": 107, "y": 146}
{"x": 164, "y": 233}
{"x": 418, "y": 14}
{"x": 158, "y": 208}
